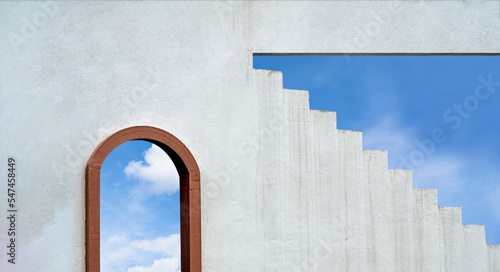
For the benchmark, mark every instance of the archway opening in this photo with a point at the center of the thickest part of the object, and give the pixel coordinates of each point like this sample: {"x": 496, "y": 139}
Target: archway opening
{"x": 139, "y": 213}
{"x": 189, "y": 193}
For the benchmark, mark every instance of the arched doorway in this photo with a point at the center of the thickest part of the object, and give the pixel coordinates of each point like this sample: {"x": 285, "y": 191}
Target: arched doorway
{"x": 190, "y": 205}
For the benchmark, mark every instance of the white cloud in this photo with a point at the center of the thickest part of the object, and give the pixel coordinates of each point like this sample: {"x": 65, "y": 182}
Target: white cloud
{"x": 386, "y": 135}
{"x": 157, "y": 170}
{"x": 161, "y": 265}
{"x": 168, "y": 246}
{"x": 441, "y": 167}
{"x": 117, "y": 239}
{"x": 443, "y": 173}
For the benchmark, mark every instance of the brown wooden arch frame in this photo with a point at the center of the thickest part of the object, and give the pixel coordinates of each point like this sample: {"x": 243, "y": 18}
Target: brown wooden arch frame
{"x": 190, "y": 205}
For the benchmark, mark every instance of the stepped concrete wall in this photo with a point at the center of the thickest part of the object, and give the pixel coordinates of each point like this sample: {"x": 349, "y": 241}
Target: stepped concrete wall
{"x": 281, "y": 188}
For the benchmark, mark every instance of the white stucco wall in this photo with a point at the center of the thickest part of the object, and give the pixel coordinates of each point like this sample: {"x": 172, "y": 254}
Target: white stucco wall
{"x": 282, "y": 189}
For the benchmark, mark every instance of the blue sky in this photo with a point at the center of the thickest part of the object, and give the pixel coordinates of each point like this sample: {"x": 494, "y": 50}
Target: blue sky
{"x": 436, "y": 115}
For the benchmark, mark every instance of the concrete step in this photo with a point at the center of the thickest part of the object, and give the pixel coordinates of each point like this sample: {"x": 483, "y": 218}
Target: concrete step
{"x": 452, "y": 239}
{"x": 297, "y": 98}
{"x": 326, "y": 118}
{"x": 327, "y": 226}
{"x": 476, "y": 251}
{"x": 267, "y": 156}
{"x": 427, "y": 253}
{"x": 353, "y": 178}
{"x": 296, "y": 167}
{"x": 402, "y": 201}
{"x": 266, "y": 78}
{"x": 379, "y": 209}
{"x": 493, "y": 258}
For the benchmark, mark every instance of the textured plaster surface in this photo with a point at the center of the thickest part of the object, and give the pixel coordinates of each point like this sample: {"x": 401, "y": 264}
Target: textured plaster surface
{"x": 281, "y": 188}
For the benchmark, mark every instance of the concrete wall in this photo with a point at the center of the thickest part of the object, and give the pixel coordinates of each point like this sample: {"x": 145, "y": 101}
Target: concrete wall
{"x": 282, "y": 188}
